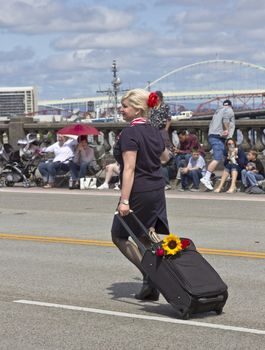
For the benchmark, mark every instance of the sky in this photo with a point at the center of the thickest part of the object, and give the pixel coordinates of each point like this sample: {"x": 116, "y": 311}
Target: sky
{"x": 66, "y": 48}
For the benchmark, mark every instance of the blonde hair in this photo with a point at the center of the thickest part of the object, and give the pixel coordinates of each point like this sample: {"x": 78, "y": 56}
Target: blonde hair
{"x": 137, "y": 98}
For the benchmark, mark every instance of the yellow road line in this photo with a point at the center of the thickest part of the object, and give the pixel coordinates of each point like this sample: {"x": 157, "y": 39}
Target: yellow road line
{"x": 231, "y": 252}
{"x": 56, "y": 240}
{"x": 92, "y": 242}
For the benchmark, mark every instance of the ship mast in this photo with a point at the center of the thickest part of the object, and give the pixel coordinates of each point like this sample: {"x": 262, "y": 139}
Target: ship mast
{"x": 113, "y": 92}
{"x": 116, "y": 82}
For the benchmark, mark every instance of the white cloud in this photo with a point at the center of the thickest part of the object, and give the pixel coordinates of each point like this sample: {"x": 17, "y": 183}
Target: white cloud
{"x": 75, "y": 42}
{"x": 47, "y": 16}
{"x": 121, "y": 39}
{"x": 188, "y": 2}
{"x": 200, "y": 51}
{"x": 17, "y": 53}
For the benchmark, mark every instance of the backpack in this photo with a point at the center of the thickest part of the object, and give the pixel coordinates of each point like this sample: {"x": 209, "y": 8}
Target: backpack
{"x": 255, "y": 190}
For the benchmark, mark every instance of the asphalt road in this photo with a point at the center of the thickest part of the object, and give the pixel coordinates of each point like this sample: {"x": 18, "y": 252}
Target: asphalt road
{"x": 76, "y": 291}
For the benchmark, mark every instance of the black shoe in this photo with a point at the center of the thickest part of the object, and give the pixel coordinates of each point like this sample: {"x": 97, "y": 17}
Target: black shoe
{"x": 147, "y": 293}
{"x": 77, "y": 186}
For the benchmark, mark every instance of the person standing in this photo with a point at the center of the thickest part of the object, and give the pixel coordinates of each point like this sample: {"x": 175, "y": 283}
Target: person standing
{"x": 222, "y": 126}
{"x": 139, "y": 151}
{"x": 161, "y": 118}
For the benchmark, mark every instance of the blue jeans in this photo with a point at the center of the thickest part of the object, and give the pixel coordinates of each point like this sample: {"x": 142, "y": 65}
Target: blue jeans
{"x": 249, "y": 178}
{"x": 49, "y": 170}
{"x": 194, "y": 176}
{"x": 218, "y": 146}
{"x": 78, "y": 171}
{"x": 165, "y": 174}
{"x": 182, "y": 160}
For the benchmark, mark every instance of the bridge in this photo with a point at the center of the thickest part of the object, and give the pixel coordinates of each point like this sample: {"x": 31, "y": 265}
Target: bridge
{"x": 202, "y": 84}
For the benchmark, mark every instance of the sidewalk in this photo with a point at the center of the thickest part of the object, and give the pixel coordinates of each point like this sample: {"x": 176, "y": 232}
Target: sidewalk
{"x": 171, "y": 194}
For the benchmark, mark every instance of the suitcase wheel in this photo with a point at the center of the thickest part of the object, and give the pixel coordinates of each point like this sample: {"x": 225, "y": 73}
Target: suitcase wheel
{"x": 186, "y": 316}
{"x": 219, "y": 311}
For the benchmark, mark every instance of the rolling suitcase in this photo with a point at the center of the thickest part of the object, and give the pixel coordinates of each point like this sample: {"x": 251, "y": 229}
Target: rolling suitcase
{"x": 186, "y": 280}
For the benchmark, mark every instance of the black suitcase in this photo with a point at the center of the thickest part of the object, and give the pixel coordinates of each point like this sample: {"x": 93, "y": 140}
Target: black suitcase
{"x": 186, "y": 280}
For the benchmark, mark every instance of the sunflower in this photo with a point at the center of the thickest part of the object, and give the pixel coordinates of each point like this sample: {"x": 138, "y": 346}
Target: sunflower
{"x": 172, "y": 244}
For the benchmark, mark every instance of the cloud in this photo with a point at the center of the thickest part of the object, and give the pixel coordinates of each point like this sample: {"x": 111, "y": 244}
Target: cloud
{"x": 200, "y": 51}
{"x": 121, "y": 39}
{"x": 17, "y": 53}
{"x": 47, "y": 16}
{"x": 195, "y": 3}
{"x": 75, "y": 42}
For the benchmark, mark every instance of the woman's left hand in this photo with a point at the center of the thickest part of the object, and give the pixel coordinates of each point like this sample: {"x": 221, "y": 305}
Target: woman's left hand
{"x": 123, "y": 209}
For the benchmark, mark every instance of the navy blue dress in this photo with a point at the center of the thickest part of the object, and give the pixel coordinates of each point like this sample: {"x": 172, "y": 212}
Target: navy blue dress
{"x": 147, "y": 197}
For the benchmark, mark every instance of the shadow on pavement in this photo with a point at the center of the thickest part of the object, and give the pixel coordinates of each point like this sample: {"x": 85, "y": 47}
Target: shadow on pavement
{"x": 122, "y": 290}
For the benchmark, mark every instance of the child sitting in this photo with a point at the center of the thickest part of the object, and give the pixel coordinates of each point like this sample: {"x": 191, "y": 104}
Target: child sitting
{"x": 195, "y": 169}
{"x": 253, "y": 172}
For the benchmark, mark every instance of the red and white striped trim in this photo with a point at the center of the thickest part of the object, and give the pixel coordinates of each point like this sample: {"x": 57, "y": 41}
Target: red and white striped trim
{"x": 138, "y": 121}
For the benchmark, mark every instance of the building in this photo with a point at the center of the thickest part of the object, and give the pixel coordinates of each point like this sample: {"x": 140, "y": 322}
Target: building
{"x": 68, "y": 105}
{"x": 17, "y": 101}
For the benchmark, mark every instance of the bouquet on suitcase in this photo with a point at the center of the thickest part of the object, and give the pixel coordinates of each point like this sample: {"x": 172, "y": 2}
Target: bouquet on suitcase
{"x": 175, "y": 267}
{"x": 170, "y": 246}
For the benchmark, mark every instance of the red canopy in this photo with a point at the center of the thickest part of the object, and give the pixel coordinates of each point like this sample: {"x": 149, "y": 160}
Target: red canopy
{"x": 78, "y": 129}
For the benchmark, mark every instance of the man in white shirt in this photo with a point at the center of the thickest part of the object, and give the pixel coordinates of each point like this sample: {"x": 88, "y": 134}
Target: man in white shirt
{"x": 63, "y": 150}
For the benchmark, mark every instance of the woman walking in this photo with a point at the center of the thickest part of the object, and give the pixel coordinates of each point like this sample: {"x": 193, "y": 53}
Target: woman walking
{"x": 139, "y": 150}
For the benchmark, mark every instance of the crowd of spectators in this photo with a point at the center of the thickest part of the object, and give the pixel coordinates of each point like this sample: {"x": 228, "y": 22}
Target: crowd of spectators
{"x": 187, "y": 163}
{"x": 187, "y": 167}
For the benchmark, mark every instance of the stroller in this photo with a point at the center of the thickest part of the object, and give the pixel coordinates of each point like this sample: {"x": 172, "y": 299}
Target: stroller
{"x": 20, "y": 166}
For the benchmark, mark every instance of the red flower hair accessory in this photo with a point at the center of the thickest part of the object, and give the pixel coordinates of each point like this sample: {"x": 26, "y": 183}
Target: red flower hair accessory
{"x": 152, "y": 100}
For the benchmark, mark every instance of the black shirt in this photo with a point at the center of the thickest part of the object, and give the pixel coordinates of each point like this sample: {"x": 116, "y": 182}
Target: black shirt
{"x": 149, "y": 145}
{"x": 259, "y": 166}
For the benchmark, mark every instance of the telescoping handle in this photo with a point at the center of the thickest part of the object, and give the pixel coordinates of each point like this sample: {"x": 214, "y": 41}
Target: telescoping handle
{"x": 124, "y": 221}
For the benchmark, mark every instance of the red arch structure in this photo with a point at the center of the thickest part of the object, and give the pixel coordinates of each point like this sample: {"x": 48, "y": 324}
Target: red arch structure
{"x": 241, "y": 102}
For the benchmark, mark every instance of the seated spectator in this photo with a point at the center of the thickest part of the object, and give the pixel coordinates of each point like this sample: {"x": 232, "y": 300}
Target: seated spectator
{"x": 112, "y": 169}
{"x": 63, "y": 150}
{"x": 187, "y": 142}
{"x": 235, "y": 161}
{"x": 195, "y": 169}
{"x": 83, "y": 156}
{"x": 254, "y": 170}
{"x": 169, "y": 171}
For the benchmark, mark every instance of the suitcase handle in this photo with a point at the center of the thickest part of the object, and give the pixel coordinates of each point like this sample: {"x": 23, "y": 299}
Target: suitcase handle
{"x": 210, "y": 300}
{"x": 122, "y": 220}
